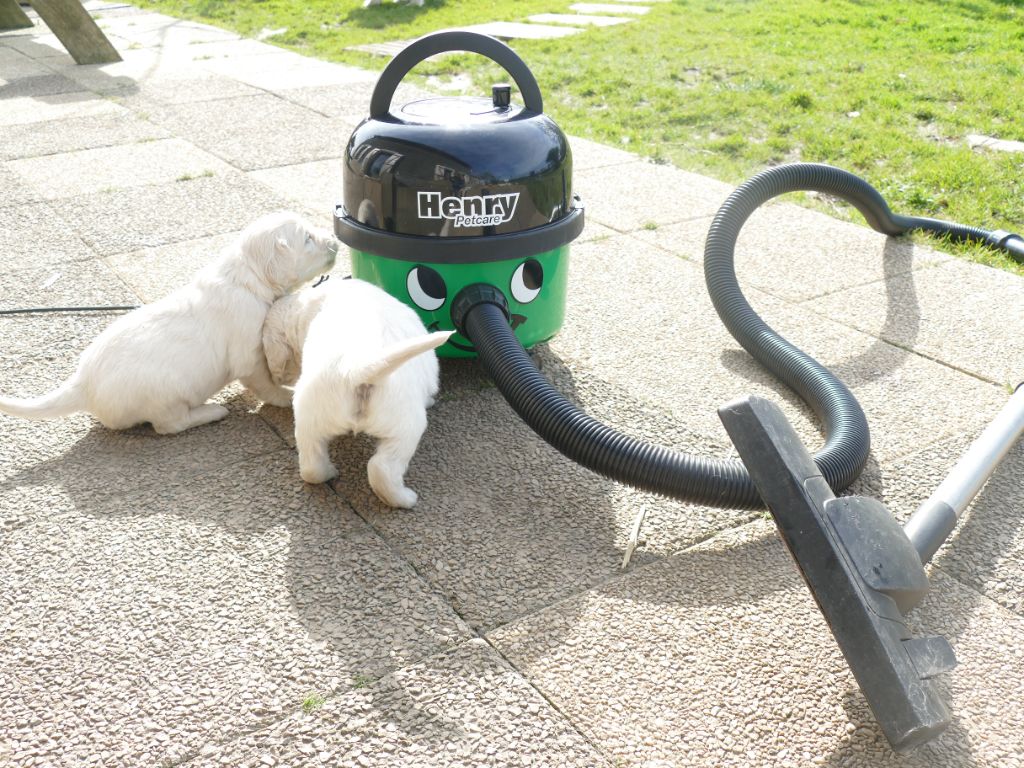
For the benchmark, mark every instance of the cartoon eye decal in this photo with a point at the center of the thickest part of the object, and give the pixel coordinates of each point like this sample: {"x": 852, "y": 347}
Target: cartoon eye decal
{"x": 527, "y": 280}
{"x": 426, "y": 288}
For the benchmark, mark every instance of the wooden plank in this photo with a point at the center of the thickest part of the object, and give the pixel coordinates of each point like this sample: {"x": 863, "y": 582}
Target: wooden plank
{"x": 12, "y": 17}
{"x": 76, "y": 30}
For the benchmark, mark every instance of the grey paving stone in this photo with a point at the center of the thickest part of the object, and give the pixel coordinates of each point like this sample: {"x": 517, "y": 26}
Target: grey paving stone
{"x": 14, "y": 64}
{"x": 467, "y": 707}
{"x": 350, "y": 100}
{"x": 156, "y": 623}
{"x": 627, "y": 197}
{"x": 719, "y": 657}
{"x": 798, "y": 254}
{"x": 987, "y": 551}
{"x": 75, "y": 134}
{"x": 256, "y": 131}
{"x": 60, "y": 106}
{"x": 273, "y": 69}
{"x": 104, "y": 169}
{"x": 74, "y": 284}
{"x": 35, "y": 233}
{"x": 964, "y": 314}
{"x": 588, "y": 154}
{"x": 504, "y": 524}
{"x": 316, "y": 186}
{"x": 632, "y": 10}
{"x": 36, "y": 86}
{"x": 628, "y": 303}
{"x": 15, "y": 190}
{"x": 130, "y": 219}
{"x": 511, "y": 30}
{"x": 578, "y": 19}
{"x": 158, "y": 30}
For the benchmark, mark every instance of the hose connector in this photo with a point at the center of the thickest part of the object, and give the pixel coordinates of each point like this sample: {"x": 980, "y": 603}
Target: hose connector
{"x": 472, "y": 296}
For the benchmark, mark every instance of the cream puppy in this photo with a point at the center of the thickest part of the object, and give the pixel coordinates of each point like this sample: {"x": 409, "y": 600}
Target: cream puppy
{"x": 361, "y": 362}
{"x": 161, "y": 362}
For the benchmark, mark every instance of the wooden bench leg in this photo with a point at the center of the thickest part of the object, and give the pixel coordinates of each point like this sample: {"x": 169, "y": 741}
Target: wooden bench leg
{"x": 76, "y": 30}
{"x": 12, "y": 17}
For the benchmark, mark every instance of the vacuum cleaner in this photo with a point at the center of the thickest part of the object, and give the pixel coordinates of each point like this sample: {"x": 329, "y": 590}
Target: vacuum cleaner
{"x": 462, "y": 207}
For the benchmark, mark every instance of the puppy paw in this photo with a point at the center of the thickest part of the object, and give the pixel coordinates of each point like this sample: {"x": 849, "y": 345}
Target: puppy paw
{"x": 281, "y": 399}
{"x": 400, "y": 498}
{"x": 320, "y": 473}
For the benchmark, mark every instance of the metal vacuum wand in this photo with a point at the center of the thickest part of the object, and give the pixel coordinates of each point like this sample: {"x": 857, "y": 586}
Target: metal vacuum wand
{"x": 936, "y": 518}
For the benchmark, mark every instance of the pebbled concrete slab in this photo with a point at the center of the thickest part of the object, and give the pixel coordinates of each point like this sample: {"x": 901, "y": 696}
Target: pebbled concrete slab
{"x": 59, "y": 106}
{"x": 82, "y": 283}
{"x": 15, "y": 65}
{"x": 253, "y": 132}
{"x": 628, "y": 197}
{"x": 961, "y": 313}
{"x": 629, "y": 10}
{"x": 152, "y": 624}
{"x": 315, "y": 186}
{"x": 691, "y": 661}
{"x": 35, "y": 233}
{"x": 76, "y": 134}
{"x": 511, "y": 30}
{"x": 798, "y": 254}
{"x": 145, "y": 217}
{"x": 589, "y": 154}
{"x": 350, "y": 101}
{"x": 466, "y": 707}
{"x": 506, "y": 525}
{"x": 691, "y": 365}
{"x": 104, "y": 169}
{"x": 37, "y": 85}
{"x": 577, "y": 19}
{"x": 15, "y": 190}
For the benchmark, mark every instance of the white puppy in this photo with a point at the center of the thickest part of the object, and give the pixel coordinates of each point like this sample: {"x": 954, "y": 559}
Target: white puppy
{"x": 359, "y": 356}
{"x": 161, "y": 362}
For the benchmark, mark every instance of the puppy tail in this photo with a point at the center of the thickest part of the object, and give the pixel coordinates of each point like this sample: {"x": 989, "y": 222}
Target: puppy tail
{"x": 397, "y": 355}
{"x": 63, "y": 401}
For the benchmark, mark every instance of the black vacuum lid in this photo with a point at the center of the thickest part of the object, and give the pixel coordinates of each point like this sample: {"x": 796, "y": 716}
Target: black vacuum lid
{"x": 457, "y": 166}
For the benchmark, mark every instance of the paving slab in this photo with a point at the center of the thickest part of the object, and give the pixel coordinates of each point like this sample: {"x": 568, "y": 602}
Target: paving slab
{"x": 59, "y": 106}
{"x": 692, "y": 661}
{"x": 75, "y": 174}
{"x": 350, "y": 101}
{"x": 35, "y": 233}
{"x": 252, "y": 132}
{"x": 153, "y": 624}
{"x": 315, "y": 186}
{"x": 157, "y": 30}
{"x": 466, "y": 707}
{"x": 146, "y": 217}
{"x": 15, "y": 190}
{"x": 632, "y": 10}
{"x": 630, "y": 196}
{"x": 588, "y": 154}
{"x": 965, "y": 314}
{"x": 506, "y": 525}
{"x": 75, "y": 284}
{"x": 511, "y": 30}
{"x": 577, "y": 19}
{"x": 75, "y": 134}
{"x": 37, "y": 85}
{"x": 15, "y": 65}
{"x": 628, "y": 303}
{"x": 798, "y": 254}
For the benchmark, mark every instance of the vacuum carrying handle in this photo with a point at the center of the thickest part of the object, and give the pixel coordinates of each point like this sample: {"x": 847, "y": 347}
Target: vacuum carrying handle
{"x": 454, "y": 40}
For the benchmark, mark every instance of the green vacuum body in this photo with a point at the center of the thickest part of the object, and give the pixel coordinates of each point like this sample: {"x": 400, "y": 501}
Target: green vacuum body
{"x": 449, "y": 192}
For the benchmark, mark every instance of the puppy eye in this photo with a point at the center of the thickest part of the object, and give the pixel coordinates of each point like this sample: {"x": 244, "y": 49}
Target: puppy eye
{"x": 309, "y": 237}
{"x": 527, "y": 280}
{"x": 426, "y": 288}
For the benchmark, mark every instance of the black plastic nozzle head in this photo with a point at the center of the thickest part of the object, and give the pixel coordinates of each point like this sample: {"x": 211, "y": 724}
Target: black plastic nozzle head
{"x": 862, "y": 570}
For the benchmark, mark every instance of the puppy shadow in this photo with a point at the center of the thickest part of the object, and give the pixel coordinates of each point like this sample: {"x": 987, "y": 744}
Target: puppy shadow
{"x": 389, "y": 13}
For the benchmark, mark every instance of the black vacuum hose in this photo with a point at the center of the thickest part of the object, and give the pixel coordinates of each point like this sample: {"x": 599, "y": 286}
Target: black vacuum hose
{"x": 711, "y": 482}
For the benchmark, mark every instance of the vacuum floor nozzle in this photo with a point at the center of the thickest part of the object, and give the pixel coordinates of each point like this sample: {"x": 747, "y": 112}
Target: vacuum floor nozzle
{"x": 862, "y": 569}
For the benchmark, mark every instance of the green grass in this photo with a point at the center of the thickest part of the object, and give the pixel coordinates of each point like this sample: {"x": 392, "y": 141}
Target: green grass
{"x": 313, "y": 702}
{"x": 886, "y": 90}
